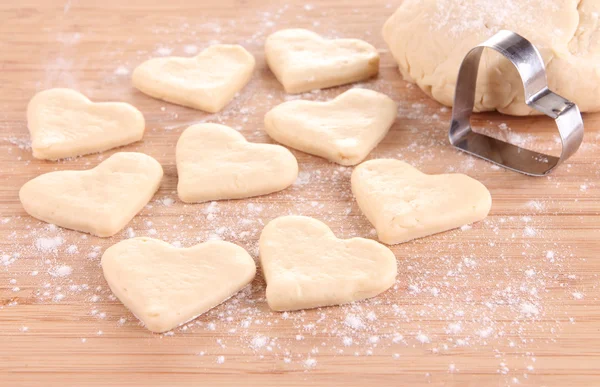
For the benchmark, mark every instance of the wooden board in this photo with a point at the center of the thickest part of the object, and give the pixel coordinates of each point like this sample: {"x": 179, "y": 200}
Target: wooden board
{"x": 511, "y": 300}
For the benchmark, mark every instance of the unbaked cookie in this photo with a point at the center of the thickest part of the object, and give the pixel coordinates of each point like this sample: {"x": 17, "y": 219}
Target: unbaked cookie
{"x": 306, "y": 266}
{"x": 166, "y": 286}
{"x": 343, "y": 130}
{"x": 64, "y": 123}
{"x": 208, "y": 81}
{"x": 303, "y": 61}
{"x": 403, "y": 203}
{"x": 99, "y": 201}
{"x": 216, "y": 162}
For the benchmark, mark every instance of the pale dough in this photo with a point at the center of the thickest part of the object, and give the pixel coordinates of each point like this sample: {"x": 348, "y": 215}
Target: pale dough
{"x": 208, "y": 81}
{"x": 306, "y": 266}
{"x": 64, "y": 123}
{"x": 216, "y": 162}
{"x": 165, "y": 286}
{"x": 403, "y": 203}
{"x": 99, "y": 201}
{"x": 303, "y": 61}
{"x": 343, "y": 130}
{"x": 429, "y": 38}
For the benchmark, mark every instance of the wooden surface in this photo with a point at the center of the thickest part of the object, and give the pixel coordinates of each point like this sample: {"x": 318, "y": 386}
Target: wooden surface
{"x": 512, "y": 300}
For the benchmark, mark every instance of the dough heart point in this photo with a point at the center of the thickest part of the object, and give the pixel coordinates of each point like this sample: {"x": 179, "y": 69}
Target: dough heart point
{"x": 64, "y": 123}
{"x": 343, "y": 130}
{"x": 403, "y": 203}
{"x": 306, "y": 266}
{"x": 165, "y": 286}
{"x": 99, "y": 201}
{"x": 215, "y": 162}
{"x": 303, "y": 61}
{"x": 208, "y": 81}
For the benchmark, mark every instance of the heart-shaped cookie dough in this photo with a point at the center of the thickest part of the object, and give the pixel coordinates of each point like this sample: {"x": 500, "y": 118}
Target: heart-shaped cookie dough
{"x": 343, "y": 130}
{"x": 403, "y": 203}
{"x": 64, "y": 123}
{"x": 101, "y": 200}
{"x": 166, "y": 286}
{"x": 306, "y": 266}
{"x": 208, "y": 81}
{"x": 303, "y": 61}
{"x": 216, "y": 162}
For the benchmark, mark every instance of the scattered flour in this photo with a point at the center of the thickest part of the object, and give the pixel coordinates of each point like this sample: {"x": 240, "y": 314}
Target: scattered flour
{"x": 61, "y": 271}
{"x": 48, "y": 244}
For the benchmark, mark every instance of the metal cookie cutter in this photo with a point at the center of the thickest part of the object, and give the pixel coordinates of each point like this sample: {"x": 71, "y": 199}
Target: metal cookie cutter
{"x": 528, "y": 61}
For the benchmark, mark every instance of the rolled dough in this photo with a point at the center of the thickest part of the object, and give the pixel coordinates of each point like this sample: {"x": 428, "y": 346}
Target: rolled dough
{"x": 99, "y": 201}
{"x": 216, "y": 162}
{"x": 208, "y": 81}
{"x": 429, "y": 38}
{"x": 165, "y": 286}
{"x": 303, "y": 61}
{"x": 343, "y": 130}
{"x": 64, "y": 123}
{"x": 306, "y": 266}
{"x": 403, "y": 203}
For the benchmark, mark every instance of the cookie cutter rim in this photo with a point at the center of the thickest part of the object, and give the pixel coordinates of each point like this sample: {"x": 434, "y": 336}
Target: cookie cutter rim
{"x": 530, "y": 66}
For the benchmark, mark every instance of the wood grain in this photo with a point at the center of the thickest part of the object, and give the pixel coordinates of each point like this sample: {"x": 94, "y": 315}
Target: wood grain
{"x": 512, "y": 300}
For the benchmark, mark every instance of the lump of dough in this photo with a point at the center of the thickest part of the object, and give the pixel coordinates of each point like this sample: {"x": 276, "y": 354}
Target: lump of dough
{"x": 403, "y": 203}
{"x": 303, "y": 61}
{"x": 99, "y": 201}
{"x": 429, "y": 39}
{"x": 215, "y": 162}
{"x": 64, "y": 123}
{"x": 306, "y": 266}
{"x": 208, "y": 81}
{"x": 165, "y": 286}
{"x": 343, "y": 130}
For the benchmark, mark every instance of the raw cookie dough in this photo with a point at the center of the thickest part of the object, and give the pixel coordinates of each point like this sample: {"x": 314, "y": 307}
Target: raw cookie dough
{"x": 343, "y": 130}
{"x": 64, "y": 123}
{"x": 306, "y": 266}
{"x": 403, "y": 203}
{"x": 216, "y": 162}
{"x": 166, "y": 286}
{"x": 101, "y": 200}
{"x": 208, "y": 81}
{"x": 429, "y": 39}
{"x": 303, "y": 61}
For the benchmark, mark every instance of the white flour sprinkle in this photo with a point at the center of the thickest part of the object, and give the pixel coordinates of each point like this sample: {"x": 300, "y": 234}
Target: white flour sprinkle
{"x": 121, "y": 70}
{"x": 167, "y": 201}
{"x": 163, "y": 51}
{"x": 61, "y": 271}
{"x": 48, "y": 244}
{"x": 422, "y": 338}
{"x": 529, "y": 309}
{"x": 577, "y": 295}
{"x": 190, "y": 49}
{"x": 529, "y": 231}
{"x": 259, "y": 342}
{"x": 535, "y": 205}
{"x": 310, "y": 363}
{"x": 353, "y": 321}
{"x": 485, "y": 333}
{"x": 220, "y": 359}
{"x": 454, "y": 328}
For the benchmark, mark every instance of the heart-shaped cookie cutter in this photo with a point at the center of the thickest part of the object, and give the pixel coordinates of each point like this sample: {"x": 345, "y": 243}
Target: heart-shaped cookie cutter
{"x": 530, "y": 65}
